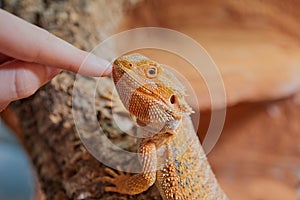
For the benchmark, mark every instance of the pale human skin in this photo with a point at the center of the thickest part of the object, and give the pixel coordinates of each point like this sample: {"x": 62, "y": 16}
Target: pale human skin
{"x": 31, "y": 56}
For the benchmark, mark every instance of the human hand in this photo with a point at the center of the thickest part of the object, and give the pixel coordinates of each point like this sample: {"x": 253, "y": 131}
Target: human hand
{"x": 31, "y": 56}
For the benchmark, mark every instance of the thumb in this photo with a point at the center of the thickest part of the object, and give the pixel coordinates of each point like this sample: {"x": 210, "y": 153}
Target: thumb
{"x": 22, "y": 79}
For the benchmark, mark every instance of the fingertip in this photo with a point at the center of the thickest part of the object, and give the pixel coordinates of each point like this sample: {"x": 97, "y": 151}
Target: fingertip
{"x": 107, "y": 71}
{"x": 95, "y": 66}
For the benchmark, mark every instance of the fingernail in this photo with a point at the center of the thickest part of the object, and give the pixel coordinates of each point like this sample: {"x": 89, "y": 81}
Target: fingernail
{"x": 107, "y": 71}
{"x": 95, "y": 66}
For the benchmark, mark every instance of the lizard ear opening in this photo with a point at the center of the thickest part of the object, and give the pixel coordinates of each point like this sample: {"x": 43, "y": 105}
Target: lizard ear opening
{"x": 173, "y": 99}
{"x": 180, "y": 104}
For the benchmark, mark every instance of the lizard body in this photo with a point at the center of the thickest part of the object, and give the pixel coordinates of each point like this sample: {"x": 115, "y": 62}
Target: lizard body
{"x": 170, "y": 151}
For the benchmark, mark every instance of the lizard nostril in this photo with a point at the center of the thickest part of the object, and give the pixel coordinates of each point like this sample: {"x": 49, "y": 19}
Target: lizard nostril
{"x": 173, "y": 99}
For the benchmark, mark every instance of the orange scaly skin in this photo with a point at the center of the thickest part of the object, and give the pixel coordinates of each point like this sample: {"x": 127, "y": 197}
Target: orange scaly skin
{"x": 171, "y": 154}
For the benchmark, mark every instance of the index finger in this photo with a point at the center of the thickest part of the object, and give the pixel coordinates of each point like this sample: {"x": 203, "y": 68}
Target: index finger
{"x": 24, "y": 41}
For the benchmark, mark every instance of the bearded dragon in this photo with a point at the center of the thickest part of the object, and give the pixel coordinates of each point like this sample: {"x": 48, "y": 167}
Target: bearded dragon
{"x": 170, "y": 151}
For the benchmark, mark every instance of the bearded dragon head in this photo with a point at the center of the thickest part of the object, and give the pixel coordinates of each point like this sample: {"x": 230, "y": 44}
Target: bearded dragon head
{"x": 150, "y": 92}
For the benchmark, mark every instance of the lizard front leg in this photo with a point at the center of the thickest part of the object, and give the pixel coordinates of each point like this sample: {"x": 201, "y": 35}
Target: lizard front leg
{"x": 134, "y": 184}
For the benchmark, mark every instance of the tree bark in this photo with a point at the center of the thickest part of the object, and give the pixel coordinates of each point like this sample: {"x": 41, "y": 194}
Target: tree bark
{"x": 66, "y": 170}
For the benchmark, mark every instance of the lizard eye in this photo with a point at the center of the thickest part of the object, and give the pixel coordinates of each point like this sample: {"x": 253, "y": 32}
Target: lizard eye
{"x": 151, "y": 72}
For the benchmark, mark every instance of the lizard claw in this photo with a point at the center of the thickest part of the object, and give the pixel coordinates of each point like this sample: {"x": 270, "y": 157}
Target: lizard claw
{"x": 111, "y": 172}
{"x": 117, "y": 179}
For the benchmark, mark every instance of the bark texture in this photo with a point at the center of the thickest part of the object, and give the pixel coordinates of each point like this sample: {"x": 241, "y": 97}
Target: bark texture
{"x": 65, "y": 169}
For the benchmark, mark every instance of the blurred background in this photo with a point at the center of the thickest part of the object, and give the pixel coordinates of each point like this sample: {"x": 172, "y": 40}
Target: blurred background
{"x": 255, "y": 45}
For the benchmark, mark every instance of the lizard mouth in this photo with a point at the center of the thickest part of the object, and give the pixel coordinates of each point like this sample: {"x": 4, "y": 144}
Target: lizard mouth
{"x": 135, "y": 81}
